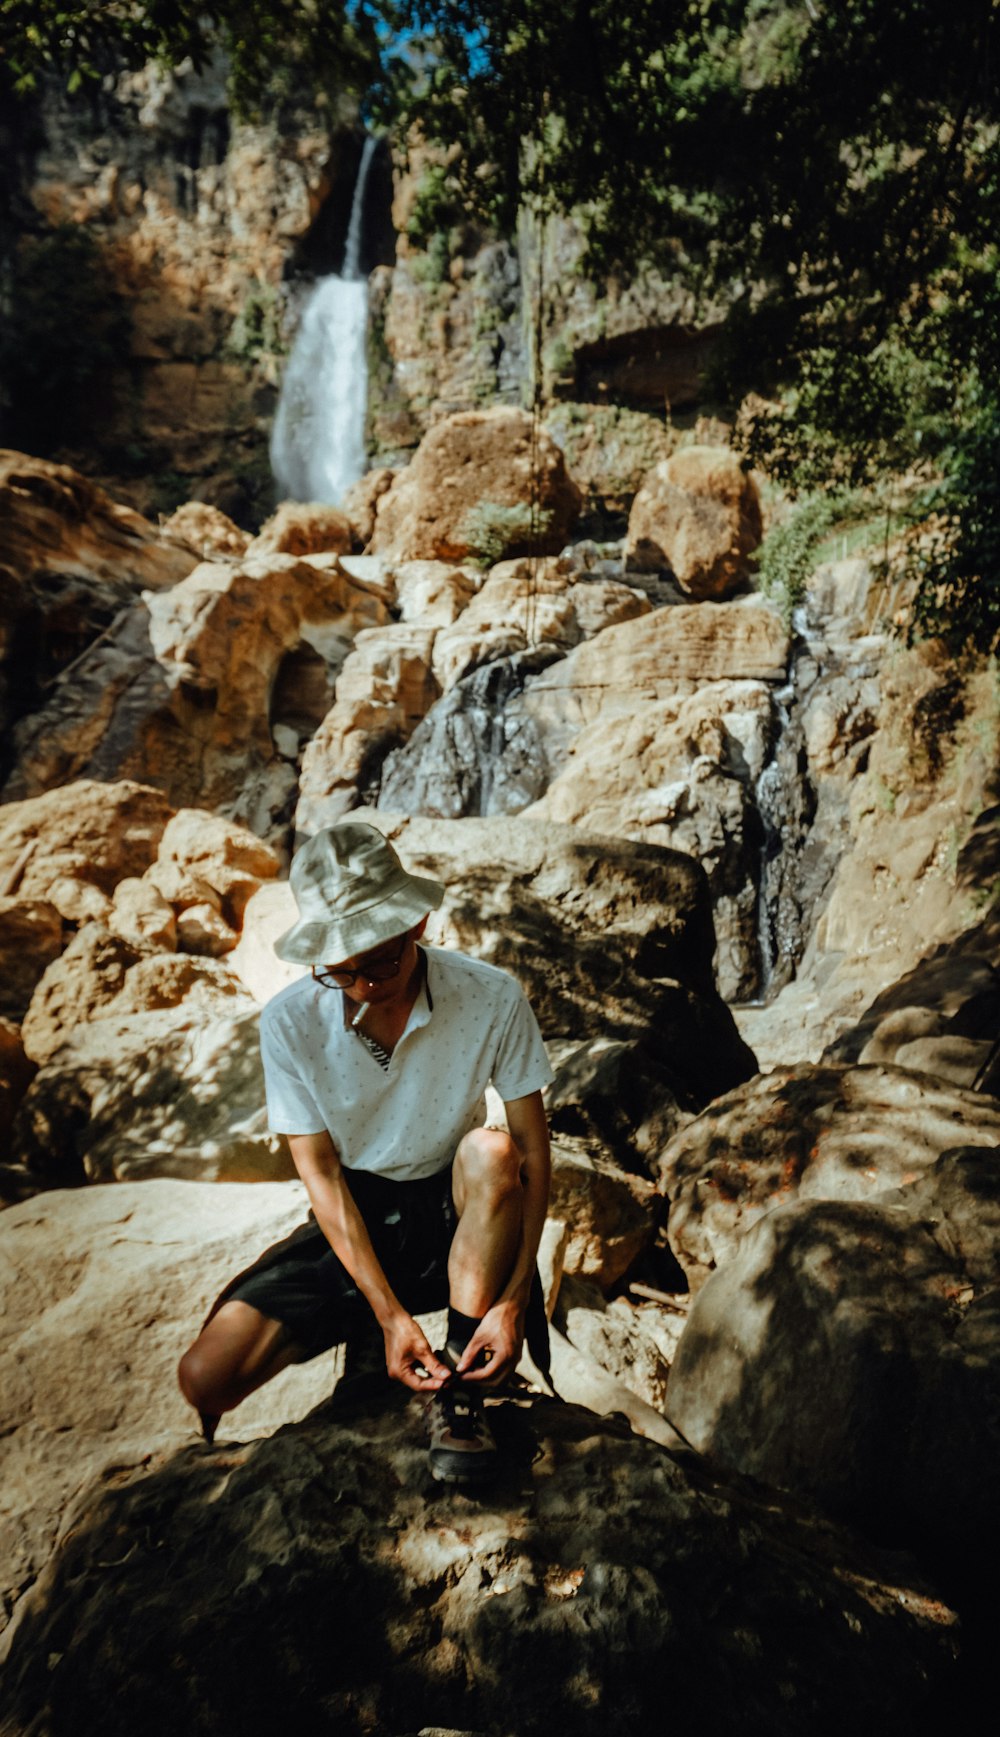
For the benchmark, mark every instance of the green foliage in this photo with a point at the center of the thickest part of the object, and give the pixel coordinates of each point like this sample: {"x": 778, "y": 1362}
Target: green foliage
{"x": 68, "y": 326}
{"x": 494, "y": 532}
{"x": 789, "y": 553}
{"x": 431, "y": 265}
{"x": 277, "y": 49}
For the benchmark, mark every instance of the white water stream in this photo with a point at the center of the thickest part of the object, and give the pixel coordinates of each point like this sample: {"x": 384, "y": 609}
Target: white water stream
{"x": 318, "y": 439}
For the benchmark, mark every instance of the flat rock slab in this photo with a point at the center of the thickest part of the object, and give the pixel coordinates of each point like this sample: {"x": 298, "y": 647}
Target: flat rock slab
{"x": 320, "y": 1582}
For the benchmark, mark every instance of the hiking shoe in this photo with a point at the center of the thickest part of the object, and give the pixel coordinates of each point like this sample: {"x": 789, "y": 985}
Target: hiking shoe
{"x": 462, "y": 1449}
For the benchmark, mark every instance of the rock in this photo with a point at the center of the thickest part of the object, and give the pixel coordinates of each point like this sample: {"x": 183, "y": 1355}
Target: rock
{"x": 16, "y": 1074}
{"x": 635, "y": 1343}
{"x": 434, "y": 593}
{"x": 848, "y": 1351}
{"x": 697, "y": 513}
{"x": 624, "y": 1096}
{"x": 101, "y": 1290}
{"x": 467, "y": 491}
{"x": 304, "y": 528}
{"x": 217, "y": 853}
{"x": 90, "y": 832}
{"x": 819, "y": 1133}
{"x": 181, "y": 690}
{"x": 201, "y": 929}
{"x": 653, "y": 656}
{"x": 609, "y": 1215}
{"x": 591, "y": 1577}
{"x": 55, "y": 521}
{"x": 477, "y": 752}
{"x": 206, "y": 531}
{"x": 680, "y": 772}
{"x": 524, "y": 604}
{"x": 360, "y": 503}
{"x": 31, "y": 937}
{"x": 253, "y": 960}
{"x": 384, "y": 689}
{"x": 141, "y": 916}
{"x": 941, "y": 1018}
{"x": 100, "y": 975}
{"x": 176, "y": 1092}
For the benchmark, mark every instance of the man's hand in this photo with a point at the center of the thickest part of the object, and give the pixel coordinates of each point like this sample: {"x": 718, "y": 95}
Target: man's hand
{"x": 500, "y": 1335}
{"x": 409, "y": 1358}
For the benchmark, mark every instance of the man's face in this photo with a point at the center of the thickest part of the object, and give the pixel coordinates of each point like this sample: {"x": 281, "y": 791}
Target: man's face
{"x": 392, "y": 962}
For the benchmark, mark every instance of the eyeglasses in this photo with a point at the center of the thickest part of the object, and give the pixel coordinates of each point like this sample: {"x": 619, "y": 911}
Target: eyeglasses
{"x": 379, "y": 969}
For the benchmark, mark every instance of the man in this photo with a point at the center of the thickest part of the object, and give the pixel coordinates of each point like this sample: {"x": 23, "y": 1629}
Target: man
{"x": 375, "y": 1068}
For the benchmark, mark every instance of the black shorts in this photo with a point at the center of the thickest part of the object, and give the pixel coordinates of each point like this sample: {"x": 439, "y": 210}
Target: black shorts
{"x": 300, "y": 1281}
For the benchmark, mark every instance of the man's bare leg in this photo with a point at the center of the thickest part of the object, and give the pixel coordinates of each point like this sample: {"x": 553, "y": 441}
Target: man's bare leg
{"x": 486, "y": 1185}
{"x": 238, "y": 1351}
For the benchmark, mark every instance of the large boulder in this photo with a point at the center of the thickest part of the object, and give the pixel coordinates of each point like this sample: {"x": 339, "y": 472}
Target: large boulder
{"x": 524, "y": 604}
{"x": 102, "y": 974}
{"x": 71, "y": 559}
{"x": 180, "y": 691}
{"x": 698, "y": 514}
{"x": 469, "y": 489}
{"x": 385, "y": 688}
{"x": 101, "y": 1289}
{"x": 87, "y": 835}
{"x": 319, "y": 1576}
{"x": 810, "y": 1133}
{"x": 610, "y": 1216}
{"x": 178, "y": 1091}
{"x": 206, "y": 531}
{"x": 304, "y": 528}
{"x": 16, "y": 1074}
{"x": 849, "y": 1350}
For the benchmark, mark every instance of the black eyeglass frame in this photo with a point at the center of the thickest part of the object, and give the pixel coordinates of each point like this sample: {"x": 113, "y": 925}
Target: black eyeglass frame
{"x": 379, "y": 971}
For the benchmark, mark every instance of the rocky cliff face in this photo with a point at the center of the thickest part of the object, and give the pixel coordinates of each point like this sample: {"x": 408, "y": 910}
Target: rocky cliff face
{"x": 194, "y": 225}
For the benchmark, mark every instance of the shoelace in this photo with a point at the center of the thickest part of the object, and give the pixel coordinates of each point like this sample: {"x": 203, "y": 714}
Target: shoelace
{"x": 463, "y": 1420}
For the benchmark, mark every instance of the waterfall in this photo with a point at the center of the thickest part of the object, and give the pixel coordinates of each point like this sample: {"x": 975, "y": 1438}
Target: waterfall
{"x": 318, "y": 440}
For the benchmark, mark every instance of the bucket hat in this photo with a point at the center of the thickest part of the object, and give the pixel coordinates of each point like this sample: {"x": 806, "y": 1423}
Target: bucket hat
{"x": 352, "y": 893}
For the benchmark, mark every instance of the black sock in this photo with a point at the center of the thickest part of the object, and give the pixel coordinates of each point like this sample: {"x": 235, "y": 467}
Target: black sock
{"x": 460, "y": 1330}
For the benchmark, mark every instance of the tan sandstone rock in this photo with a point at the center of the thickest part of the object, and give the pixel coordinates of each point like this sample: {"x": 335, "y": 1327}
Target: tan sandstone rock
{"x": 848, "y": 1350}
{"x": 698, "y": 514}
{"x": 608, "y": 1213}
{"x": 176, "y": 1091}
{"x": 103, "y": 975}
{"x": 361, "y": 501}
{"x": 206, "y": 531}
{"x": 54, "y": 519}
{"x": 468, "y": 489}
{"x": 434, "y": 593}
{"x": 384, "y": 689}
{"x": 303, "y": 528}
{"x": 91, "y": 832}
{"x": 530, "y": 603}
{"x": 101, "y": 1290}
{"x": 141, "y": 915}
{"x": 217, "y": 853}
{"x": 807, "y": 1133}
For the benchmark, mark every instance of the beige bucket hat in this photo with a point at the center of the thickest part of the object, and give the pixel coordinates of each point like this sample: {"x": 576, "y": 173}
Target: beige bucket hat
{"x": 353, "y": 893}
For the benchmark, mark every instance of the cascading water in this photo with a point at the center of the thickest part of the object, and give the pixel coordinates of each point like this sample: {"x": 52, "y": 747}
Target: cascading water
{"x": 318, "y": 440}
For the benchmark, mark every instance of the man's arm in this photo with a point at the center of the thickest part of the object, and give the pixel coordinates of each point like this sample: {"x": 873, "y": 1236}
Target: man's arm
{"x": 406, "y": 1348}
{"x": 502, "y": 1328}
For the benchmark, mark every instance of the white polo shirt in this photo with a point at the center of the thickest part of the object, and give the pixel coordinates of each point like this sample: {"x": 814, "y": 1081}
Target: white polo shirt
{"x": 469, "y": 1026}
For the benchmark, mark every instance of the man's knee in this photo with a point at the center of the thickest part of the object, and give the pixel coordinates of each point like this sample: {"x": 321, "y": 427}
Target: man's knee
{"x": 198, "y": 1377}
{"x": 490, "y": 1163}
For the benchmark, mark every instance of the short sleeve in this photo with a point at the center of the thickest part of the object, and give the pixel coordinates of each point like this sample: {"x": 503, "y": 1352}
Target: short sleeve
{"x": 521, "y": 1065}
{"x": 291, "y": 1108}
